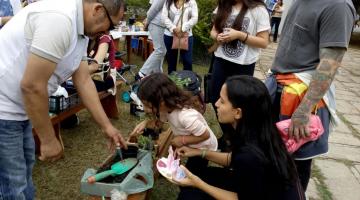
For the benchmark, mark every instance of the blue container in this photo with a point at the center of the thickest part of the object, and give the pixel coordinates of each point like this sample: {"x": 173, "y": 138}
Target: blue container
{"x": 125, "y": 96}
{"x": 134, "y": 43}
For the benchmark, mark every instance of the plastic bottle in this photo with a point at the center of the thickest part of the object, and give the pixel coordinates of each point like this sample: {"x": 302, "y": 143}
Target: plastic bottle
{"x": 118, "y": 195}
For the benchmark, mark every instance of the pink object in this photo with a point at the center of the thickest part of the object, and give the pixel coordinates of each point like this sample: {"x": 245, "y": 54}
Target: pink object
{"x": 316, "y": 130}
{"x": 170, "y": 167}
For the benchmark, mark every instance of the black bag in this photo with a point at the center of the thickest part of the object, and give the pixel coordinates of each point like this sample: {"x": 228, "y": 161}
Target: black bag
{"x": 207, "y": 81}
{"x": 187, "y": 80}
{"x": 191, "y": 82}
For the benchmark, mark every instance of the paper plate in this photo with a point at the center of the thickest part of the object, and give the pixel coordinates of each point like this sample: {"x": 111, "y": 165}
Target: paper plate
{"x": 162, "y": 168}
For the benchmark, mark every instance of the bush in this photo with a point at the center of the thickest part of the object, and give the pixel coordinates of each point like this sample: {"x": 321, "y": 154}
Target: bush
{"x": 203, "y": 27}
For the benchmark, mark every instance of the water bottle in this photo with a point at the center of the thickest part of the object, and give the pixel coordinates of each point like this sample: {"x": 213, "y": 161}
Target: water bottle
{"x": 118, "y": 195}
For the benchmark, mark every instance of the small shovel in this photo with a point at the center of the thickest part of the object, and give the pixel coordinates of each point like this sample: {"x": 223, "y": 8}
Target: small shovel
{"x": 116, "y": 169}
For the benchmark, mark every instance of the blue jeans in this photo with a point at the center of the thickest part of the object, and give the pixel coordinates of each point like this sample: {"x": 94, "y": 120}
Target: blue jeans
{"x": 171, "y": 55}
{"x": 17, "y": 158}
{"x": 155, "y": 61}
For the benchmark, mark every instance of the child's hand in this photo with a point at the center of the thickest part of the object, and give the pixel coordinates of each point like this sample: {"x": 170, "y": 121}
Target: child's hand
{"x": 188, "y": 152}
{"x": 177, "y": 141}
{"x": 139, "y": 129}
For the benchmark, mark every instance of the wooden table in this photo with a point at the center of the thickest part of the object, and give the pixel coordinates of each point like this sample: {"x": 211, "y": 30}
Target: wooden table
{"x": 108, "y": 102}
{"x": 118, "y": 34}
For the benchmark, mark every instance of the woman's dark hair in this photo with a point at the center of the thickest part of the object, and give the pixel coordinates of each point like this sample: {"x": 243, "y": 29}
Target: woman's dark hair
{"x": 224, "y": 11}
{"x": 158, "y": 87}
{"x": 256, "y": 129}
{"x": 169, "y": 2}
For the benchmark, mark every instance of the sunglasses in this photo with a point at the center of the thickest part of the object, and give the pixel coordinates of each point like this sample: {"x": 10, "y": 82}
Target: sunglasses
{"x": 112, "y": 25}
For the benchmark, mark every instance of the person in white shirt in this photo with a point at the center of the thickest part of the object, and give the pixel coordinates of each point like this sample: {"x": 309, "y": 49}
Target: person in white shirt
{"x": 44, "y": 45}
{"x": 156, "y": 29}
{"x": 8, "y": 8}
{"x": 240, "y": 30}
{"x": 176, "y": 26}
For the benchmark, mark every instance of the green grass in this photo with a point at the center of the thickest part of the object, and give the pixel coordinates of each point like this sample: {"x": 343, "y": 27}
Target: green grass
{"x": 86, "y": 147}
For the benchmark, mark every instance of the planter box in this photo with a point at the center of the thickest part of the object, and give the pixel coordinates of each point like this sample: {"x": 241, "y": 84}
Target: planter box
{"x": 139, "y": 179}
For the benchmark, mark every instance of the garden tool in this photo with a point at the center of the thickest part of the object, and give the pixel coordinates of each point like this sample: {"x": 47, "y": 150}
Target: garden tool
{"x": 116, "y": 169}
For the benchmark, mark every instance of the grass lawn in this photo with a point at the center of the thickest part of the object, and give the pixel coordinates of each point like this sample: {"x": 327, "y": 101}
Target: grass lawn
{"x": 86, "y": 147}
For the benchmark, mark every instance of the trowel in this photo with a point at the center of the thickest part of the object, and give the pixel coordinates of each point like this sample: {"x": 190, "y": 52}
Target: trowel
{"x": 117, "y": 168}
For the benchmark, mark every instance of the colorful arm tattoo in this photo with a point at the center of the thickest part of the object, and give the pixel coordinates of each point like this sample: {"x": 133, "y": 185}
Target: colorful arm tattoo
{"x": 330, "y": 59}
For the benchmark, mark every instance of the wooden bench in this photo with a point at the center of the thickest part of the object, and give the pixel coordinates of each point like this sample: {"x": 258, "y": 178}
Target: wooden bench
{"x": 108, "y": 101}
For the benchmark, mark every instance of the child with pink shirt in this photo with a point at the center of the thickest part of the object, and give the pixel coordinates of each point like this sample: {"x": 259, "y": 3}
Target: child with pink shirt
{"x": 162, "y": 98}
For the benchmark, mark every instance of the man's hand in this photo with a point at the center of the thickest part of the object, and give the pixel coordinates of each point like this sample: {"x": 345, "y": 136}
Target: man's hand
{"x": 330, "y": 59}
{"x": 299, "y": 124}
{"x": 51, "y": 150}
{"x": 115, "y": 138}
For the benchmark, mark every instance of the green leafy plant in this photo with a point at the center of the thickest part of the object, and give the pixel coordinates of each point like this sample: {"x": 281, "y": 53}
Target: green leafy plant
{"x": 181, "y": 83}
{"x": 203, "y": 27}
{"x": 145, "y": 143}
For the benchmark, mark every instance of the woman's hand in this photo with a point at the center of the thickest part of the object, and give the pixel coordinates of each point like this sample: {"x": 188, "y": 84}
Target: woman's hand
{"x": 229, "y": 35}
{"x": 177, "y": 32}
{"x": 185, "y": 151}
{"x": 190, "y": 180}
{"x": 139, "y": 129}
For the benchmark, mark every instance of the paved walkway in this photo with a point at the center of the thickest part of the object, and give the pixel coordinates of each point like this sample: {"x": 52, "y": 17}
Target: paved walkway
{"x": 336, "y": 175}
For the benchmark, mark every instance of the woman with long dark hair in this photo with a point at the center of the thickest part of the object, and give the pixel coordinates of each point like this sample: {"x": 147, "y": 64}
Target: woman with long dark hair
{"x": 258, "y": 166}
{"x": 241, "y": 29}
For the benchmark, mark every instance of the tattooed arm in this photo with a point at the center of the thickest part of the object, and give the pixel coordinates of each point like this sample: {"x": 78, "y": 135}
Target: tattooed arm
{"x": 330, "y": 59}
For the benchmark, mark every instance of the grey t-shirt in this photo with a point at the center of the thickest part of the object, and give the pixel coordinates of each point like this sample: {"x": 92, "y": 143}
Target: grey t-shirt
{"x": 309, "y": 26}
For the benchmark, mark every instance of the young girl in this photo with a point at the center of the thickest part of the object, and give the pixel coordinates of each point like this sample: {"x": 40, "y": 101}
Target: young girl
{"x": 161, "y": 97}
{"x": 261, "y": 167}
{"x": 102, "y": 49}
{"x": 241, "y": 29}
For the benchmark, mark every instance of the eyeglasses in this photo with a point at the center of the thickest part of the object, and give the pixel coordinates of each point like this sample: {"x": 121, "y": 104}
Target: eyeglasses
{"x": 112, "y": 26}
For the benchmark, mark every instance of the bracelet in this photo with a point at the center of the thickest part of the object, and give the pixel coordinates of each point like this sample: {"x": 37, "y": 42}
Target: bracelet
{"x": 203, "y": 153}
{"x": 246, "y": 37}
{"x": 183, "y": 140}
{"x": 227, "y": 159}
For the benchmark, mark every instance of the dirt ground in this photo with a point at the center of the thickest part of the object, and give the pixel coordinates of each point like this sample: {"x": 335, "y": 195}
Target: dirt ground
{"x": 86, "y": 147}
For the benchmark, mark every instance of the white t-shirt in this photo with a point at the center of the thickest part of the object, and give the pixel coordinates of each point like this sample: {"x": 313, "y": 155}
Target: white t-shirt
{"x": 32, "y": 30}
{"x": 191, "y": 122}
{"x": 171, "y": 17}
{"x": 255, "y": 20}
